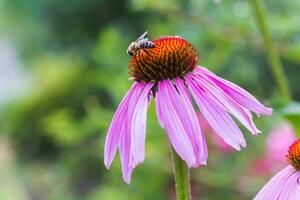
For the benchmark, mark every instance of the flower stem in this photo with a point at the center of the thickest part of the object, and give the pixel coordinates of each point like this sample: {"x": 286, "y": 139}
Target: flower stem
{"x": 271, "y": 51}
{"x": 182, "y": 179}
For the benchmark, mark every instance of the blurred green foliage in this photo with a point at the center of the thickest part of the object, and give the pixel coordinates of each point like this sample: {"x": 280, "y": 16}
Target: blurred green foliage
{"x": 75, "y": 53}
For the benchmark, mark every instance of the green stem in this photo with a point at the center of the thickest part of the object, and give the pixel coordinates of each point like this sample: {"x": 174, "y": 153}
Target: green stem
{"x": 182, "y": 179}
{"x": 271, "y": 51}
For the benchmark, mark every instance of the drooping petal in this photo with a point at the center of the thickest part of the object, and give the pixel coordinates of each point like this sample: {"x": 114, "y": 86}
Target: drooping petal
{"x": 289, "y": 187}
{"x": 114, "y": 131}
{"x": 124, "y": 151}
{"x": 200, "y": 147}
{"x": 138, "y": 126}
{"x": 220, "y": 121}
{"x": 226, "y": 102}
{"x": 132, "y": 142}
{"x": 125, "y": 139}
{"x": 273, "y": 188}
{"x": 237, "y": 93}
{"x": 297, "y": 192}
{"x": 169, "y": 102}
{"x": 159, "y": 114}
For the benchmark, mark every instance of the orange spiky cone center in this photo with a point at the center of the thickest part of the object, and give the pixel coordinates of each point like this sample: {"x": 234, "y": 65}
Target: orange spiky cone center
{"x": 294, "y": 154}
{"x": 172, "y": 57}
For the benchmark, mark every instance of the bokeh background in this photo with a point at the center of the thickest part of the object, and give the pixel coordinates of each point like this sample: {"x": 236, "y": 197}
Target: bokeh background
{"x": 63, "y": 71}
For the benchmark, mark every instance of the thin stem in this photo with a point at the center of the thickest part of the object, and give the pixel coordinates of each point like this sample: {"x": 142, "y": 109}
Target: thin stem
{"x": 182, "y": 179}
{"x": 271, "y": 51}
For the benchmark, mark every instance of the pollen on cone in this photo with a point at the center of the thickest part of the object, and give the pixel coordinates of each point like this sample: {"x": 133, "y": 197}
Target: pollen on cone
{"x": 172, "y": 57}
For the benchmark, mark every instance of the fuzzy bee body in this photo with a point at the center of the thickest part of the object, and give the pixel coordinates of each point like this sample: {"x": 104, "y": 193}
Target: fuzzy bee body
{"x": 140, "y": 43}
{"x": 146, "y": 44}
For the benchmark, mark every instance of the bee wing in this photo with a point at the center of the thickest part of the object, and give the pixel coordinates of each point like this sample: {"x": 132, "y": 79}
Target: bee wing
{"x": 142, "y": 36}
{"x": 143, "y": 40}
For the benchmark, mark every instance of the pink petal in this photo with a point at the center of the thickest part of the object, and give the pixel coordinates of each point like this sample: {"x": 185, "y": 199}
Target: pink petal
{"x": 226, "y": 102}
{"x": 192, "y": 122}
{"x": 219, "y": 120}
{"x": 125, "y": 140}
{"x": 289, "y": 187}
{"x": 273, "y": 188}
{"x": 297, "y": 193}
{"x": 159, "y": 114}
{"x": 170, "y": 105}
{"x": 138, "y": 126}
{"x": 237, "y": 93}
{"x": 114, "y": 131}
{"x": 132, "y": 143}
{"x": 124, "y": 150}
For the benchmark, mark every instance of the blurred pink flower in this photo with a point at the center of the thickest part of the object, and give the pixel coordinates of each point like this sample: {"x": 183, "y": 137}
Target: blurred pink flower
{"x": 168, "y": 73}
{"x": 277, "y": 142}
{"x": 285, "y": 184}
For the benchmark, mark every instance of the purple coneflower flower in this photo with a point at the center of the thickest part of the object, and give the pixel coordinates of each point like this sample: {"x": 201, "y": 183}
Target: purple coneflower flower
{"x": 169, "y": 74}
{"x": 285, "y": 185}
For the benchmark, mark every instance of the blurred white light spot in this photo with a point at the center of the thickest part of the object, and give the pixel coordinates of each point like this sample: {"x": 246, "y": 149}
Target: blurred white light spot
{"x": 217, "y": 1}
{"x": 13, "y": 79}
{"x": 241, "y": 9}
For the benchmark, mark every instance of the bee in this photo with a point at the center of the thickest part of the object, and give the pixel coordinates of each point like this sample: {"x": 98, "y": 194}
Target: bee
{"x": 140, "y": 43}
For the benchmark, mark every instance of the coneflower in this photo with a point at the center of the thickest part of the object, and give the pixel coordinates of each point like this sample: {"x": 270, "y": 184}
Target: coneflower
{"x": 285, "y": 185}
{"x": 169, "y": 74}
